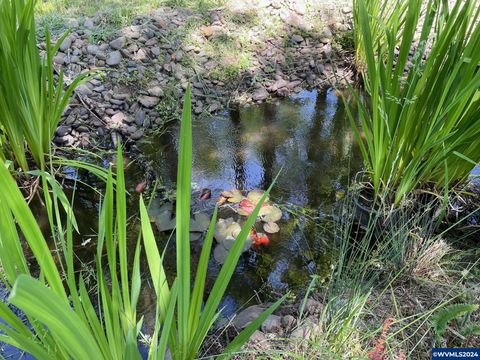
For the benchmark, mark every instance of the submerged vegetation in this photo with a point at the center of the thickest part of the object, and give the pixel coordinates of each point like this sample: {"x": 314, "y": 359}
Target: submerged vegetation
{"x": 403, "y": 277}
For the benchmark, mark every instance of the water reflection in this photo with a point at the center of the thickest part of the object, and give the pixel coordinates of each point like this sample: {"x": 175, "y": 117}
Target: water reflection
{"x": 307, "y": 136}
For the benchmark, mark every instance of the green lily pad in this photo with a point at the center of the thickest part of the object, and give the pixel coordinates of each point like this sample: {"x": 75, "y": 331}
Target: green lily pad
{"x": 195, "y": 236}
{"x": 270, "y": 213}
{"x": 254, "y": 196}
{"x": 271, "y": 227}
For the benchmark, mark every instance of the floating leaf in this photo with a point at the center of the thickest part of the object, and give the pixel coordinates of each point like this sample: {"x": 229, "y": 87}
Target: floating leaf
{"x": 205, "y": 194}
{"x": 228, "y": 242}
{"x": 245, "y": 208}
{"x": 233, "y": 196}
{"x": 271, "y": 227}
{"x": 233, "y": 229}
{"x": 200, "y": 222}
{"x": 254, "y": 196}
{"x": 270, "y": 213}
{"x": 221, "y": 200}
{"x": 163, "y": 217}
{"x": 248, "y": 243}
{"x": 220, "y": 254}
{"x": 195, "y": 236}
{"x": 222, "y": 229}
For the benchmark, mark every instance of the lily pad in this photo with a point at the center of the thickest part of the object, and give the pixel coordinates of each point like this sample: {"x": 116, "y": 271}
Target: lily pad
{"x": 195, "y": 236}
{"x": 246, "y": 207}
{"x": 233, "y": 196}
{"x": 163, "y": 217}
{"x": 228, "y": 242}
{"x": 200, "y": 222}
{"x": 270, "y": 213}
{"x": 221, "y": 229}
{"x": 271, "y": 227}
{"x": 254, "y": 196}
{"x": 220, "y": 254}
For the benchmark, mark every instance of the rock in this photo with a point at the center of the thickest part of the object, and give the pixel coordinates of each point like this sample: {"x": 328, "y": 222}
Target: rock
{"x": 308, "y": 330}
{"x": 137, "y": 135}
{"x": 288, "y": 321}
{"x": 118, "y": 43}
{"x": 326, "y": 34}
{"x": 281, "y": 83}
{"x": 117, "y": 120}
{"x": 84, "y": 90}
{"x": 273, "y": 324}
{"x": 148, "y": 101}
{"x": 59, "y": 59}
{"x": 155, "y": 50}
{"x": 346, "y": 10}
{"x": 140, "y": 118}
{"x": 246, "y": 316}
{"x": 92, "y": 49}
{"x": 313, "y": 307}
{"x": 63, "y": 130}
{"x": 297, "y": 38}
{"x": 114, "y": 58}
{"x": 178, "y": 55}
{"x": 66, "y": 43}
{"x": 207, "y": 31}
{"x": 257, "y": 336}
{"x": 82, "y": 129}
{"x": 141, "y": 55}
{"x": 155, "y": 91}
{"x": 260, "y": 94}
{"x": 88, "y": 24}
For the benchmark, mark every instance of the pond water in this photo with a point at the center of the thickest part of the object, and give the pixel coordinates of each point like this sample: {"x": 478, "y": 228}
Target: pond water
{"x": 307, "y": 137}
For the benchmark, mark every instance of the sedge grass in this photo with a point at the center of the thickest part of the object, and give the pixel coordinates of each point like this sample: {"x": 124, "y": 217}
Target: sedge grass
{"x": 32, "y": 98}
{"x": 420, "y": 125}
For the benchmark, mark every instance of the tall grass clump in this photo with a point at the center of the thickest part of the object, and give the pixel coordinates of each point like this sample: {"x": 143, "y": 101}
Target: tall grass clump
{"x": 32, "y": 98}
{"x": 419, "y": 124}
{"x": 65, "y": 321}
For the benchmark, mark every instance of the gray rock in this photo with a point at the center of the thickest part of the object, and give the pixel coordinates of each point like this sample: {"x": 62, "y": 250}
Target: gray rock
{"x": 63, "y": 130}
{"x": 92, "y": 49}
{"x": 297, "y": 38}
{"x": 260, "y": 94}
{"x": 246, "y": 316}
{"x": 288, "y": 321}
{"x": 137, "y": 135}
{"x": 148, "y": 101}
{"x": 155, "y": 50}
{"x": 66, "y": 43}
{"x": 84, "y": 90}
{"x": 326, "y": 33}
{"x": 313, "y": 307}
{"x": 141, "y": 55}
{"x": 257, "y": 336}
{"x": 118, "y": 43}
{"x": 114, "y": 58}
{"x": 140, "y": 118}
{"x": 59, "y": 59}
{"x": 82, "y": 129}
{"x": 155, "y": 91}
{"x": 281, "y": 83}
{"x": 308, "y": 330}
{"x": 273, "y": 324}
{"x": 88, "y": 24}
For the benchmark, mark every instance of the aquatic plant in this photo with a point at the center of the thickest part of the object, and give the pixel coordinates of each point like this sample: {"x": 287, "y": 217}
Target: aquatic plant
{"x": 32, "y": 98}
{"x": 64, "y": 322}
{"x": 420, "y": 124}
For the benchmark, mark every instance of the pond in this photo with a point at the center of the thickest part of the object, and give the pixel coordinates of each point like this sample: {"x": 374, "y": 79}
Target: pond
{"x": 306, "y": 138}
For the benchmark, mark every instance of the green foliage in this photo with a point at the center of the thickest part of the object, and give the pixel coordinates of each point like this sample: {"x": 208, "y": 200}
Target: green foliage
{"x": 455, "y": 312}
{"x": 32, "y": 99}
{"x": 65, "y": 322}
{"x": 420, "y": 124}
